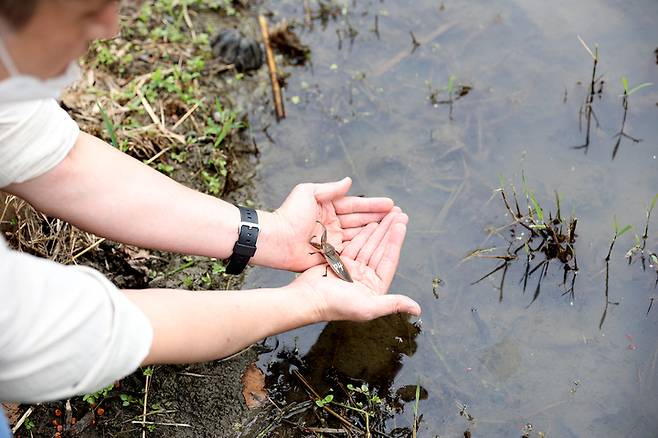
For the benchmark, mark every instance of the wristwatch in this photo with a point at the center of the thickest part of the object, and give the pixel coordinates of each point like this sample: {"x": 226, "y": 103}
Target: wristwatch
{"x": 245, "y": 247}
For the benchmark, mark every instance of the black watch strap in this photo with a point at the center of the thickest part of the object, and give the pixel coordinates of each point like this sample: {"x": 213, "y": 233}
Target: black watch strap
{"x": 245, "y": 247}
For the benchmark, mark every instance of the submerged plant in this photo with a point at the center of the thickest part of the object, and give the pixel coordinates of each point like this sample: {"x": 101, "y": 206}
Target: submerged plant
{"x": 618, "y": 233}
{"x": 624, "y": 102}
{"x": 453, "y": 90}
{"x": 640, "y": 250}
{"x": 586, "y": 110}
{"x": 536, "y": 234}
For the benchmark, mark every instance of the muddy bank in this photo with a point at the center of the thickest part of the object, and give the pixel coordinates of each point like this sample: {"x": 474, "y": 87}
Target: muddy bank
{"x": 162, "y": 64}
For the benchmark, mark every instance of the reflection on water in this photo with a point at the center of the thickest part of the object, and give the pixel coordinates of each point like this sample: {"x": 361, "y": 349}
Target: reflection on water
{"x": 365, "y": 109}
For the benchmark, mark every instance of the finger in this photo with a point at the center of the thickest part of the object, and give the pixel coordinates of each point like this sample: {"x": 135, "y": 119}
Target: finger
{"x": 381, "y": 249}
{"x": 328, "y": 191}
{"x": 349, "y": 233}
{"x": 388, "y": 304}
{"x": 352, "y": 248}
{"x": 360, "y": 219}
{"x": 373, "y": 242}
{"x": 357, "y": 204}
{"x": 389, "y": 262}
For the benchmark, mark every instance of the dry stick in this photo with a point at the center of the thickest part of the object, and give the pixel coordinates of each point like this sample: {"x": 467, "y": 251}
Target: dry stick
{"x": 387, "y": 65}
{"x": 146, "y": 394}
{"x": 155, "y": 423}
{"x": 185, "y": 116}
{"x": 271, "y": 66}
{"x": 82, "y": 424}
{"x": 20, "y": 422}
{"x": 158, "y": 155}
{"x": 315, "y": 396}
{"x": 188, "y": 21}
{"x": 89, "y": 248}
{"x": 149, "y": 109}
{"x": 68, "y": 417}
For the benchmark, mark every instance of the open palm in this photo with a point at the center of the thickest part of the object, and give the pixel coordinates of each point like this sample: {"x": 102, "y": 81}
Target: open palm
{"x": 343, "y": 216}
{"x": 371, "y": 257}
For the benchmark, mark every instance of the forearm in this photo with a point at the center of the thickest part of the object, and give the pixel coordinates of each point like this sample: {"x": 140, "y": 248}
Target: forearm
{"x": 200, "y": 326}
{"x": 108, "y": 193}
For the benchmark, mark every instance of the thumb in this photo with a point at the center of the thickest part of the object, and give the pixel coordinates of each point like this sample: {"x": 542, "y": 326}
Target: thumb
{"x": 389, "y": 304}
{"x": 328, "y": 191}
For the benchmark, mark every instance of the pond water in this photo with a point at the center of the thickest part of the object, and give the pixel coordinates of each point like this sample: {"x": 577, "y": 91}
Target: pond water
{"x": 368, "y": 107}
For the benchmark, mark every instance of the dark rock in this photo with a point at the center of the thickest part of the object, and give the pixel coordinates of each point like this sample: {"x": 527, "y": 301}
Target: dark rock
{"x": 231, "y": 47}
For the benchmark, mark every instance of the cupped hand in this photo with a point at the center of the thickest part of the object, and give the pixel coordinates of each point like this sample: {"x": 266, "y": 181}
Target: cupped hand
{"x": 295, "y": 222}
{"x": 371, "y": 257}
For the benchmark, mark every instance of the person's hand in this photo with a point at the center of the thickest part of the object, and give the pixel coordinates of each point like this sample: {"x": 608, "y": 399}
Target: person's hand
{"x": 371, "y": 257}
{"x": 291, "y": 226}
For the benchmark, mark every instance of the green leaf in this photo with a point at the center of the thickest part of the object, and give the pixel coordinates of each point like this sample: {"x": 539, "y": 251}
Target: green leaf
{"x": 325, "y": 401}
{"x": 501, "y": 179}
{"x": 107, "y": 123}
{"x": 624, "y": 83}
{"x": 639, "y": 87}
{"x": 524, "y": 185}
{"x": 535, "y": 205}
{"x": 451, "y": 83}
{"x": 653, "y": 202}
{"x": 623, "y": 230}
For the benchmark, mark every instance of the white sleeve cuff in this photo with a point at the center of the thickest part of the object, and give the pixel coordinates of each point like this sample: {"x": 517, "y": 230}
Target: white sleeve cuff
{"x": 35, "y": 136}
{"x": 64, "y": 330}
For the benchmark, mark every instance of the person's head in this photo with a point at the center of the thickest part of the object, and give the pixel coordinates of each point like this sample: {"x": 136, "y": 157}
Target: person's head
{"x": 44, "y": 36}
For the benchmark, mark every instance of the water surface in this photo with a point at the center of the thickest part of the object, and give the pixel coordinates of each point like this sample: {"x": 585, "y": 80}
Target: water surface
{"x": 364, "y": 110}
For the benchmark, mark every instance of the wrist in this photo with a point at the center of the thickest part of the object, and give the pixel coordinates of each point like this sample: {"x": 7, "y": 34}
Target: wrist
{"x": 309, "y": 303}
{"x": 245, "y": 246}
{"x": 272, "y": 247}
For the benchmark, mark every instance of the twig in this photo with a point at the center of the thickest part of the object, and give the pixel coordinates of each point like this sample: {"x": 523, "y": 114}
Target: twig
{"x": 188, "y": 21}
{"x": 149, "y": 109}
{"x": 82, "y": 424}
{"x": 68, "y": 417}
{"x": 146, "y": 394}
{"x": 327, "y": 430}
{"x": 271, "y": 65}
{"x": 155, "y": 423}
{"x": 158, "y": 155}
{"x": 89, "y": 248}
{"x": 315, "y": 396}
{"x": 185, "y": 116}
{"x": 24, "y": 417}
{"x": 395, "y": 60}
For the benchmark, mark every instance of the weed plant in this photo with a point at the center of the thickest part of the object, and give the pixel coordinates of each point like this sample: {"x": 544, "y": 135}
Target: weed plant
{"x": 537, "y": 237}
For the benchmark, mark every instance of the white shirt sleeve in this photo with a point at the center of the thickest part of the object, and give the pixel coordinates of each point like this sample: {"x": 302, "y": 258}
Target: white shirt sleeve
{"x": 64, "y": 330}
{"x": 35, "y": 136}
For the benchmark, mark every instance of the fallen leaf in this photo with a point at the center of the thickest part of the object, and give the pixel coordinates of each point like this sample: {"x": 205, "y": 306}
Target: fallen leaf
{"x": 12, "y": 411}
{"x": 253, "y": 386}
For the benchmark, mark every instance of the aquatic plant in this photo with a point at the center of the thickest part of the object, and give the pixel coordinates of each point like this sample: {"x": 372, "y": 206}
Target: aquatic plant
{"x": 624, "y": 102}
{"x": 618, "y": 233}
{"x": 586, "y": 110}
{"x": 555, "y": 235}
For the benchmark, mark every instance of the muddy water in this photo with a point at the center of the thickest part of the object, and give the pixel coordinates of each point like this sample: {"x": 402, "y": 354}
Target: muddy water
{"x": 363, "y": 108}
